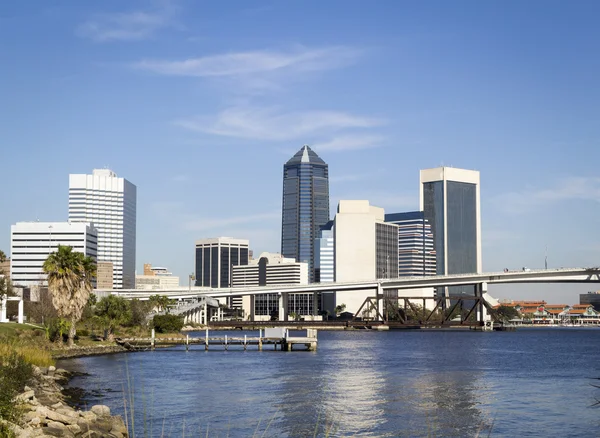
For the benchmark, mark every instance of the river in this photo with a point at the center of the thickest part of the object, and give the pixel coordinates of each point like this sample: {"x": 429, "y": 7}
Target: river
{"x": 531, "y": 382}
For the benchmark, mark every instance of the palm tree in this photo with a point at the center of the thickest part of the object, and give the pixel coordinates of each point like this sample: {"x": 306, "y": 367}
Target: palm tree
{"x": 70, "y": 276}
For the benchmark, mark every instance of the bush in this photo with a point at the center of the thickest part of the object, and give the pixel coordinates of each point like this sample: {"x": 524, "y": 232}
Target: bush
{"x": 167, "y": 323}
{"x": 57, "y": 330}
{"x": 15, "y": 372}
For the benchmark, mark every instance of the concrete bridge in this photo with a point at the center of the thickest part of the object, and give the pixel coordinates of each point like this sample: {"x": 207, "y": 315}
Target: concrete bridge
{"x": 373, "y": 292}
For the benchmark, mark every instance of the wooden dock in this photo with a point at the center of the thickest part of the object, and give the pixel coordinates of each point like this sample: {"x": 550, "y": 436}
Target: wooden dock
{"x": 278, "y": 337}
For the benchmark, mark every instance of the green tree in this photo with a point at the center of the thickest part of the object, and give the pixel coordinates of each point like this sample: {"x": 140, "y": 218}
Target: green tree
{"x": 506, "y": 313}
{"x": 113, "y": 311}
{"x": 339, "y": 309}
{"x": 70, "y": 276}
{"x": 160, "y": 302}
{"x": 139, "y": 312}
{"x": 167, "y": 323}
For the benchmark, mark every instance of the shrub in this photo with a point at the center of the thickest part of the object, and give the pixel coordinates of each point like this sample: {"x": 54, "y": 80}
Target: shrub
{"x": 15, "y": 372}
{"x": 167, "y": 323}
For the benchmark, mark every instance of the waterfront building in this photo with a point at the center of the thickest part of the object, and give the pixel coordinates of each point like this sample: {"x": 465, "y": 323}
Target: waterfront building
{"x": 215, "y": 257}
{"x": 156, "y": 278}
{"x": 104, "y": 275}
{"x": 272, "y": 269}
{"x": 324, "y": 253}
{"x": 32, "y": 242}
{"x": 305, "y": 205}
{"x": 449, "y": 199}
{"x": 110, "y": 203}
{"x": 592, "y": 298}
{"x": 416, "y": 255}
{"x": 365, "y": 248}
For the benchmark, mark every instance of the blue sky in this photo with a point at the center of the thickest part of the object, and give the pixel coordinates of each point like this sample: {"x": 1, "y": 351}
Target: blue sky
{"x": 200, "y": 103}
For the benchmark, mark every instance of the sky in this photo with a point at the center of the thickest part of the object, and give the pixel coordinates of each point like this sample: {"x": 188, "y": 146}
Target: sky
{"x": 200, "y": 103}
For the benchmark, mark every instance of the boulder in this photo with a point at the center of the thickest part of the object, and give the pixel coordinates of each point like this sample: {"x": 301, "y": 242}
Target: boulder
{"x": 101, "y": 410}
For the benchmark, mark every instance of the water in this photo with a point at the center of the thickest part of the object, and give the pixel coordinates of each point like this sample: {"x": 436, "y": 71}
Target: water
{"x": 532, "y": 382}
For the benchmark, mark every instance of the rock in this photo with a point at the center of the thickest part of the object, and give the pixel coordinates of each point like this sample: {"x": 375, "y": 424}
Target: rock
{"x": 74, "y": 429}
{"x": 55, "y": 428}
{"x": 35, "y": 421}
{"x": 51, "y": 370}
{"x": 101, "y": 410}
{"x": 27, "y": 388}
{"x": 56, "y": 405}
{"x": 68, "y": 411}
{"x": 55, "y": 416}
{"x": 88, "y": 416}
{"x": 118, "y": 426}
{"x": 25, "y": 396}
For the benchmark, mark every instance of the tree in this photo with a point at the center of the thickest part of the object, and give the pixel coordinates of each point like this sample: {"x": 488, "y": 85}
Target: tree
{"x": 2, "y": 256}
{"x": 70, "y": 276}
{"x": 139, "y": 312}
{"x": 160, "y": 302}
{"x": 113, "y": 311}
{"x": 339, "y": 309}
{"x": 506, "y": 313}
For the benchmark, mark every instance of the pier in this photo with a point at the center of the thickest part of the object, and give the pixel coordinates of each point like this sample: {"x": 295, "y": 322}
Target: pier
{"x": 277, "y": 337}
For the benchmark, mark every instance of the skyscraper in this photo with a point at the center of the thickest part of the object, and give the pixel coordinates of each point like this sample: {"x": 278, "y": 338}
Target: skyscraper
{"x": 416, "y": 256}
{"x": 450, "y": 202}
{"x": 215, "y": 257}
{"x": 305, "y": 205}
{"x": 109, "y": 203}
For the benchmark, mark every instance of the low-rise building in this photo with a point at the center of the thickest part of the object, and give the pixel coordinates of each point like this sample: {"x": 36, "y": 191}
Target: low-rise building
{"x": 156, "y": 278}
{"x": 104, "y": 275}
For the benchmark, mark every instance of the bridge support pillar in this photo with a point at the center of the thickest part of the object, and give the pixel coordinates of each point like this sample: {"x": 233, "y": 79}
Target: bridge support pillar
{"x": 480, "y": 290}
{"x": 283, "y": 305}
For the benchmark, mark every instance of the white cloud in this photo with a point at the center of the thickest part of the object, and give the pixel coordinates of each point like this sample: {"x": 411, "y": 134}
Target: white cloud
{"x": 299, "y": 60}
{"x": 271, "y": 124}
{"x": 125, "y": 26}
{"x": 572, "y": 188}
{"x": 350, "y": 143}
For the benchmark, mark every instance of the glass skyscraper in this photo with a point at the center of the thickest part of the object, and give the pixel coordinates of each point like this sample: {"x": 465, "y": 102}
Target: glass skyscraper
{"x": 305, "y": 205}
{"x": 450, "y": 202}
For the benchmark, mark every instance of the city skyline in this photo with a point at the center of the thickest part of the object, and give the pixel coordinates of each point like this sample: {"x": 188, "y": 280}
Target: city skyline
{"x": 175, "y": 96}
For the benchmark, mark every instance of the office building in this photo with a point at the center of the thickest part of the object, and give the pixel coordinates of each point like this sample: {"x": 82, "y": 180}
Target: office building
{"x": 591, "y": 298}
{"x": 110, "y": 203}
{"x": 305, "y": 205}
{"x": 156, "y": 278}
{"x": 32, "y": 242}
{"x": 104, "y": 275}
{"x": 215, "y": 257}
{"x": 270, "y": 270}
{"x": 324, "y": 253}
{"x": 416, "y": 256}
{"x": 366, "y": 248}
{"x": 450, "y": 202}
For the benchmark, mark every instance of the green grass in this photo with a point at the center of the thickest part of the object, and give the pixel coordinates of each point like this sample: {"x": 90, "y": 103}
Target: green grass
{"x": 12, "y": 328}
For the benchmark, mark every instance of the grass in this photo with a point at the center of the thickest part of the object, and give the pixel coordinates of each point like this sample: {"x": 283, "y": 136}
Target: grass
{"x": 27, "y": 341}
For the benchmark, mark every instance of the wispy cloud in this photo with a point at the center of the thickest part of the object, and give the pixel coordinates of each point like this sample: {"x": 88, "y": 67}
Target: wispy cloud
{"x": 298, "y": 60}
{"x": 567, "y": 189}
{"x": 212, "y": 223}
{"x": 271, "y": 124}
{"x": 350, "y": 142}
{"x": 126, "y": 26}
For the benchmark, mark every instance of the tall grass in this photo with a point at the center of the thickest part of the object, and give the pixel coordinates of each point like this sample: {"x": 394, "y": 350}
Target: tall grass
{"x": 30, "y": 353}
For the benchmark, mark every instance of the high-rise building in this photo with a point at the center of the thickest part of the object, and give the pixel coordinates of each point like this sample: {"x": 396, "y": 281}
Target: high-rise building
{"x": 110, "y": 203}
{"x": 104, "y": 275}
{"x": 305, "y": 206}
{"x": 416, "y": 256}
{"x": 450, "y": 202}
{"x": 324, "y": 251}
{"x": 366, "y": 248}
{"x": 215, "y": 257}
{"x": 32, "y": 242}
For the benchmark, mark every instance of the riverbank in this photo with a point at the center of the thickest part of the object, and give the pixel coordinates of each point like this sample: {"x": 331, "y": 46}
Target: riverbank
{"x": 46, "y": 412}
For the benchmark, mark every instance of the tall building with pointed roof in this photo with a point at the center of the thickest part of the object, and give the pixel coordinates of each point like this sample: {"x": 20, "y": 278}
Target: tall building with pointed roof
{"x": 305, "y": 205}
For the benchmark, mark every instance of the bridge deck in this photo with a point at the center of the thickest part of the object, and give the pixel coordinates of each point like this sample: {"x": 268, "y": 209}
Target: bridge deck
{"x": 310, "y": 343}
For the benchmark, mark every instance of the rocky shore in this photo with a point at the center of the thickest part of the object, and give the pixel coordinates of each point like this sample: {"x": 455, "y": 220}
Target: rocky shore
{"x": 46, "y": 414}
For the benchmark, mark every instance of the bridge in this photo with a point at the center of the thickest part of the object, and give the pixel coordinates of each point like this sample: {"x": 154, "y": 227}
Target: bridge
{"x": 375, "y": 294}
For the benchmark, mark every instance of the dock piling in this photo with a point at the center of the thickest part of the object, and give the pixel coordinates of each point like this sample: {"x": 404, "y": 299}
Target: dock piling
{"x": 152, "y": 341}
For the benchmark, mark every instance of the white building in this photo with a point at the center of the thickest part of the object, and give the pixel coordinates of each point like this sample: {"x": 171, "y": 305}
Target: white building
{"x": 366, "y": 248}
{"x": 272, "y": 269}
{"x": 324, "y": 248}
{"x": 32, "y": 242}
{"x": 156, "y": 278}
{"x": 110, "y": 203}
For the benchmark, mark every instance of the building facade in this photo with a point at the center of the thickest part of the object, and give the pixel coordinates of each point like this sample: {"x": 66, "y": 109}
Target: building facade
{"x": 591, "y": 298}
{"x": 104, "y": 275}
{"x": 32, "y": 242}
{"x": 450, "y": 202}
{"x": 110, "y": 203}
{"x": 269, "y": 270}
{"x": 305, "y": 205}
{"x": 416, "y": 255}
{"x": 215, "y": 257}
{"x": 324, "y": 255}
{"x": 365, "y": 248}
{"x": 156, "y": 278}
